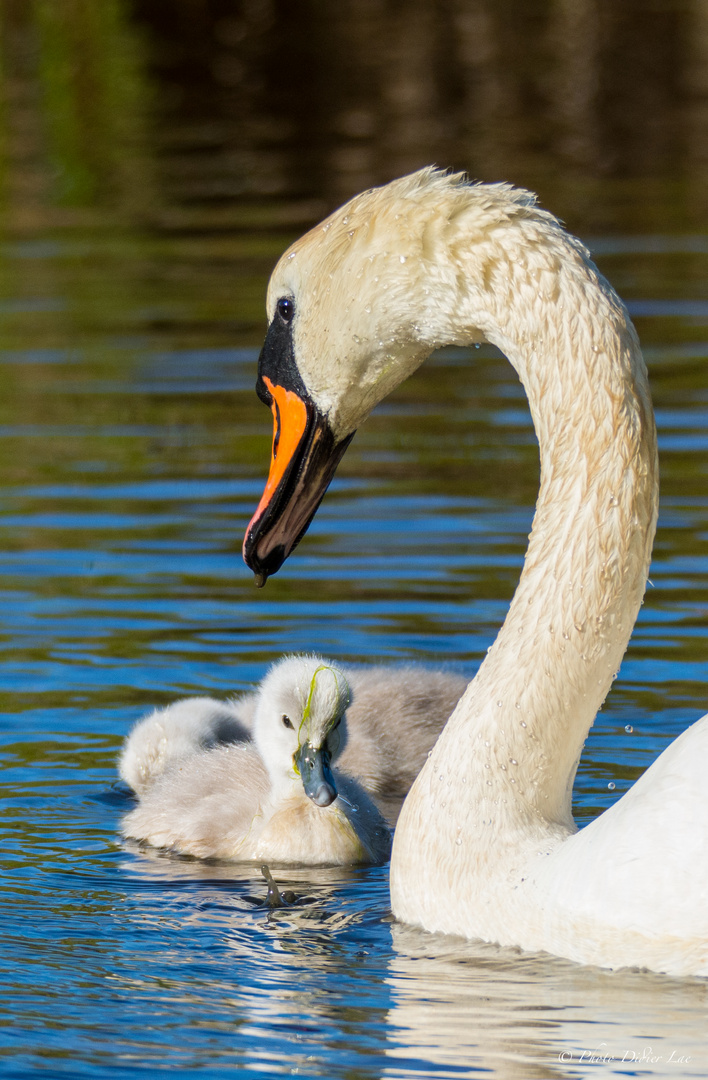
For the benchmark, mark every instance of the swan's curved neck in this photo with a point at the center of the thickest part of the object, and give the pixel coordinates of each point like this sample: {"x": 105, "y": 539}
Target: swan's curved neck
{"x": 514, "y": 741}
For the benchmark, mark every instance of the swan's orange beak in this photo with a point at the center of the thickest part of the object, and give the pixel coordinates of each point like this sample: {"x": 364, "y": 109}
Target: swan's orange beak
{"x": 303, "y": 461}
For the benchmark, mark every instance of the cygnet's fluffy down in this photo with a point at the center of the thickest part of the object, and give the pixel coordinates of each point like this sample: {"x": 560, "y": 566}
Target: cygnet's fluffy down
{"x": 183, "y": 728}
{"x": 394, "y": 717}
{"x": 271, "y": 799}
{"x": 393, "y": 722}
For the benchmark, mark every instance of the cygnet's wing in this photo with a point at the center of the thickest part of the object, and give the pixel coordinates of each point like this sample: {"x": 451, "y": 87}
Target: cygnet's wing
{"x": 185, "y": 727}
{"x": 393, "y": 721}
{"x": 208, "y": 804}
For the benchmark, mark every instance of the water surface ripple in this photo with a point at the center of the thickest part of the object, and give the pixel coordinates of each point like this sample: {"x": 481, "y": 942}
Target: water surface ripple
{"x": 132, "y": 453}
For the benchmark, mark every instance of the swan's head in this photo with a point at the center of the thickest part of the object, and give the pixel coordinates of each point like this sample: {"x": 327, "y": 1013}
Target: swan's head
{"x": 353, "y": 308}
{"x": 298, "y": 724}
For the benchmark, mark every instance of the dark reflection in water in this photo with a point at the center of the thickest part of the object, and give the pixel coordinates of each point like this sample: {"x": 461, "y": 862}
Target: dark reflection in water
{"x": 155, "y": 159}
{"x": 324, "y": 100}
{"x": 225, "y": 111}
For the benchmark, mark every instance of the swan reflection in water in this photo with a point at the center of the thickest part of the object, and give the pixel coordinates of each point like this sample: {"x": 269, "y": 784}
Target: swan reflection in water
{"x": 523, "y": 1015}
{"x": 334, "y": 968}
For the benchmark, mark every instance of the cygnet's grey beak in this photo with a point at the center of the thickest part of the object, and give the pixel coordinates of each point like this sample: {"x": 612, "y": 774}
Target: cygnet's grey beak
{"x": 316, "y": 775}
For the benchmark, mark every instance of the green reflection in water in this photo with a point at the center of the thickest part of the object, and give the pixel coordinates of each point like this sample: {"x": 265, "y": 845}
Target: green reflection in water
{"x": 93, "y": 99}
{"x": 133, "y": 451}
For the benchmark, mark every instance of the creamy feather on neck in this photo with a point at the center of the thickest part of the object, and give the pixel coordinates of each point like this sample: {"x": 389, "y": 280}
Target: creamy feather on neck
{"x": 516, "y": 736}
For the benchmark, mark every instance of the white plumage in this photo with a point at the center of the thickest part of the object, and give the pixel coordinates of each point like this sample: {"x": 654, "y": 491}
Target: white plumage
{"x": 486, "y": 845}
{"x": 199, "y": 776}
{"x": 192, "y": 725}
{"x": 247, "y": 800}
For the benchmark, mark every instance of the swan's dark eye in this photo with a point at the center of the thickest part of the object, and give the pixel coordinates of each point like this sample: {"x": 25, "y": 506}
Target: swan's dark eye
{"x": 287, "y": 722}
{"x": 285, "y": 308}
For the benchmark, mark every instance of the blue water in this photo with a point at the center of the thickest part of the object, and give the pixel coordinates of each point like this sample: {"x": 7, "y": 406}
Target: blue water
{"x": 132, "y": 453}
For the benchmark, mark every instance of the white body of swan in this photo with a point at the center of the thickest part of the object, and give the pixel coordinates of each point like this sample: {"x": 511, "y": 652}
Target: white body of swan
{"x": 395, "y": 716}
{"x": 486, "y": 845}
{"x": 272, "y": 799}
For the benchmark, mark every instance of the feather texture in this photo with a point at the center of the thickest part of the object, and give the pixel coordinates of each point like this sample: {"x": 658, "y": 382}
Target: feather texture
{"x": 486, "y": 845}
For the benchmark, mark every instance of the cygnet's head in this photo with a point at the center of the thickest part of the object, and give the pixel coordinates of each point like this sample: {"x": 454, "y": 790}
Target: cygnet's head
{"x": 298, "y": 723}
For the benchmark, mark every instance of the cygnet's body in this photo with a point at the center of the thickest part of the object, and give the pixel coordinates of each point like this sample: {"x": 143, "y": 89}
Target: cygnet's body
{"x": 272, "y": 799}
{"x": 395, "y": 715}
{"x": 393, "y": 721}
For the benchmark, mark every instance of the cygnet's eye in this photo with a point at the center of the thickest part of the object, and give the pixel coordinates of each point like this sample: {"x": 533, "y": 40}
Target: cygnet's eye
{"x": 285, "y": 308}
{"x": 287, "y": 722}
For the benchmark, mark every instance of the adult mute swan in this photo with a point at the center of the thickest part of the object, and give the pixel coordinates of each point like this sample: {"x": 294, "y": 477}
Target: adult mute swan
{"x": 273, "y": 799}
{"x": 486, "y": 845}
